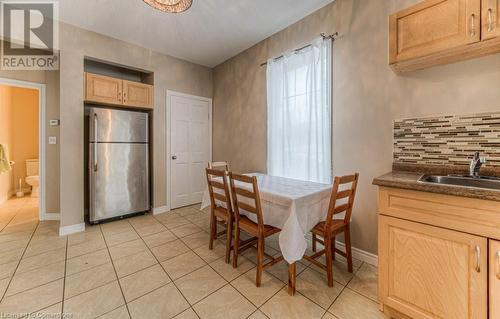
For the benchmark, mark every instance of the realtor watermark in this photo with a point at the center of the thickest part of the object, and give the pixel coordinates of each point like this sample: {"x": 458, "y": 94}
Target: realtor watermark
{"x": 30, "y": 34}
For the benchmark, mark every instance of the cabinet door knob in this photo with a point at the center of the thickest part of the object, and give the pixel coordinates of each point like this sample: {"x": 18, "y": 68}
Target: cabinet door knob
{"x": 478, "y": 259}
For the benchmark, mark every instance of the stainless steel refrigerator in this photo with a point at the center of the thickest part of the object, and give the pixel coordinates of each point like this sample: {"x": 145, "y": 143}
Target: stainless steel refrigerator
{"x": 118, "y": 163}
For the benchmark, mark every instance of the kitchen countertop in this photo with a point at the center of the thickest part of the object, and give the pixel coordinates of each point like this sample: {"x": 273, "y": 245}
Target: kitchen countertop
{"x": 409, "y": 180}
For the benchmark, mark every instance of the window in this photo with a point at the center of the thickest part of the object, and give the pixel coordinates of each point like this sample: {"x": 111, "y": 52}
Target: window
{"x": 299, "y": 114}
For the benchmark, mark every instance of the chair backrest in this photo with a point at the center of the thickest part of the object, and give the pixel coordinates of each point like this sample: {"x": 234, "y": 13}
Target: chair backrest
{"x": 219, "y": 165}
{"x": 245, "y": 187}
{"x": 218, "y": 188}
{"x": 345, "y": 195}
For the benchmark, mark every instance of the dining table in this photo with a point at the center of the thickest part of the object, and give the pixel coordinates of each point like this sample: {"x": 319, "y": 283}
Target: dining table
{"x": 295, "y": 207}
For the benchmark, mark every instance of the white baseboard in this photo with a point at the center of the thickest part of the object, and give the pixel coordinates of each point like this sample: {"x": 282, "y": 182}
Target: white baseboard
{"x": 52, "y": 216}
{"x": 72, "y": 229}
{"x": 160, "y": 210}
{"x": 359, "y": 254}
{"x": 3, "y": 199}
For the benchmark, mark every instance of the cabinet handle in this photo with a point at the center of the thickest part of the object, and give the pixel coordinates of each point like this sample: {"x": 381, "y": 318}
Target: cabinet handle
{"x": 473, "y": 25}
{"x": 490, "y": 20}
{"x": 498, "y": 260}
{"x": 478, "y": 259}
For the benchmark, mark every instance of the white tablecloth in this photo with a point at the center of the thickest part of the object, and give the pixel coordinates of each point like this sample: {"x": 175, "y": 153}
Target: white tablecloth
{"x": 293, "y": 206}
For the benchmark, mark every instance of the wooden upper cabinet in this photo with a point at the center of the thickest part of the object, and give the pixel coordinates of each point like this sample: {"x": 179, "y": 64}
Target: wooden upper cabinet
{"x": 433, "y": 26}
{"x": 108, "y": 90}
{"x": 429, "y": 272}
{"x": 103, "y": 89}
{"x": 494, "y": 279}
{"x": 490, "y": 19}
{"x": 137, "y": 94}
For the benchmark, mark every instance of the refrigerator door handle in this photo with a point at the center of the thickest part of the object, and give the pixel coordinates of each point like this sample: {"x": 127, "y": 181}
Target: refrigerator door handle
{"x": 95, "y": 142}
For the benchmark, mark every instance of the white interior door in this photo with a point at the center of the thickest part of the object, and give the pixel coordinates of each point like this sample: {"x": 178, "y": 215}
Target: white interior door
{"x": 190, "y": 149}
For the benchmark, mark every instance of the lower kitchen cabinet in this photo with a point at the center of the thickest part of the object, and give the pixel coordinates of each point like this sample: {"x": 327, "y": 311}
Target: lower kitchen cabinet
{"x": 494, "y": 279}
{"x": 431, "y": 272}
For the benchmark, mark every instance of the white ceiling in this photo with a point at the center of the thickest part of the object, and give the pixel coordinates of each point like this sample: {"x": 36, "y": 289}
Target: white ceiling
{"x": 209, "y": 33}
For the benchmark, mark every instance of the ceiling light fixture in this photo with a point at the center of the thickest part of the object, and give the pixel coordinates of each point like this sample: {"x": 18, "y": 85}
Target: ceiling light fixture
{"x": 172, "y": 6}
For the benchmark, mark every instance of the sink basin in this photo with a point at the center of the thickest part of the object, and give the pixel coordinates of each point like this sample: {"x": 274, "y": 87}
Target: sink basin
{"x": 484, "y": 182}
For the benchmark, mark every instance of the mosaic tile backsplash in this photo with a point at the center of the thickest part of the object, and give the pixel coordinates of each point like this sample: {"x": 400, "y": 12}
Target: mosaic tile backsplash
{"x": 447, "y": 139}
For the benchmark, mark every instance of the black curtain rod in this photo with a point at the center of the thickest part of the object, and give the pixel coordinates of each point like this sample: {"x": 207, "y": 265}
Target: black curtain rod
{"x": 333, "y": 37}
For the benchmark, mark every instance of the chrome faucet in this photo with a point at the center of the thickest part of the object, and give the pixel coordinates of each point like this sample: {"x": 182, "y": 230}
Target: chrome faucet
{"x": 475, "y": 164}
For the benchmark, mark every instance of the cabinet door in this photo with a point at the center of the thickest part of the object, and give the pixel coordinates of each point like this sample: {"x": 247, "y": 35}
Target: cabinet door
{"x": 490, "y": 17}
{"x": 494, "y": 279}
{"x": 433, "y": 26}
{"x": 430, "y": 272}
{"x": 137, "y": 94}
{"x": 103, "y": 89}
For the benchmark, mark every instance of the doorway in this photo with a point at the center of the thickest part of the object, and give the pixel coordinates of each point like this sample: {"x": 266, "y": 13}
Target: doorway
{"x": 22, "y": 136}
{"x": 189, "y": 147}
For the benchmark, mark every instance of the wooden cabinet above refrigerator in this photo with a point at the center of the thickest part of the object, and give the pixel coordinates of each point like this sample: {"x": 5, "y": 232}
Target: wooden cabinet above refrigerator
{"x": 107, "y": 90}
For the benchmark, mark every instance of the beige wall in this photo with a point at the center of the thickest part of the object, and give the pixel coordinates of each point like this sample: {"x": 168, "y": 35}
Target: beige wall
{"x": 170, "y": 73}
{"x": 51, "y": 81}
{"x": 23, "y": 131}
{"x": 5, "y": 139}
{"x": 368, "y": 96}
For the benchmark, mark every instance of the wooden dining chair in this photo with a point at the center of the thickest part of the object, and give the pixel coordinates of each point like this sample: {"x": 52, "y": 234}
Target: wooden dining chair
{"x": 220, "y": 208}
{"x": 245, "y": 187}
{"x": 341, "y": 201}
{"x": 219, "y": 165}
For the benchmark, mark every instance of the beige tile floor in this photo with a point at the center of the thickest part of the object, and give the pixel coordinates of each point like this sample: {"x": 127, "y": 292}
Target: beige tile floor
{"x": 159, "y": 267}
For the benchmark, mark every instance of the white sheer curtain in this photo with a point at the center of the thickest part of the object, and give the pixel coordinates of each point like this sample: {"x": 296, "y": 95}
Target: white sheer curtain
{"x": 299, "y": 141}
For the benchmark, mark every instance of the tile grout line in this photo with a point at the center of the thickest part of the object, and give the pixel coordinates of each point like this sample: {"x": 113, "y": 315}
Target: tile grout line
{"x": 158, "y": 261}
{"x": 116, "y": 273}
{"x": 132, "y": 273}
{"x": 19, "y": 262}
{"x": 240, "y": 275}
{"x": 208, "y": 264}
{"x": 96, "y": 266}
{"x": 148, "y": 248}
{"x": 343, "y": 289}
{"x": 10, "y": 221}
{"x": 13, "y": 216}
{"x": 335, "y": 281}
{"x": 64, "y": 278}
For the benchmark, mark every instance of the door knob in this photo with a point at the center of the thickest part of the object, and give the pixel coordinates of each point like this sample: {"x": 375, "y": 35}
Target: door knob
{"x": 174, "y": 157}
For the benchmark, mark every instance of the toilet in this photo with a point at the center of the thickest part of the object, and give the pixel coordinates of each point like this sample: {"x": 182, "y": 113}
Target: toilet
{"x": 32, "y": 176}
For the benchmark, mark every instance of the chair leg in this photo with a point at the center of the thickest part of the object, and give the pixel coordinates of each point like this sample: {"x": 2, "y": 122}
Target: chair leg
{"x": 260, "y": 260}
{"x": 333, "y": 247}
{"x": 314, "y": 243}
{"x": 329, "y": 261}
{"x": 229, "y": 239}
{"x": 348, "y": 249}
{"x": 236, "y": 244}
{"x": 213, "y": 230}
